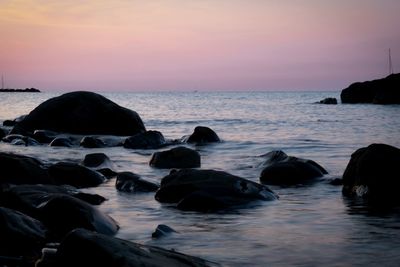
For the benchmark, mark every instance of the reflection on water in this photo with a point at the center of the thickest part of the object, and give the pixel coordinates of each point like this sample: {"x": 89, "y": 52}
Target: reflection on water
{"x": 309, "y": 226}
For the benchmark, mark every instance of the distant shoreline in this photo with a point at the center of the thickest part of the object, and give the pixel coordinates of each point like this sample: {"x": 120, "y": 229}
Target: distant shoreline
{"x": 26, "y": 90}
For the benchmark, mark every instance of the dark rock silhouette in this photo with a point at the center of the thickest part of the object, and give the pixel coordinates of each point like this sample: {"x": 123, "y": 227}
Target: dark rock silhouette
{"x": 373, "y": 173}
{"x": 75, "y": 175}
{"x": 3, "y": 133}
{"x": 83, "y": 248}
{"x": 97, "y": 160}
{"x": 10, "y": 123}
{"x": 81, "y": 113}
{"x": 63, "y": 213}
{"x": 202, "y": 135}
{"x": 17, "y": 169}
{"x": 130, "y": 182}
{"x": 27, "y": 198}
{"x": 381, "y": 91}
{"x": 92, "y": 142}
{"x": 288, "y": 170}
{"x": 178, "y": 157}
{"x": 146, "y": 140}
{"x": 18, "y": 90}
{"x": 17, "y": 139}
{"x": 220, "y": 187}
{"x": 21, "y": 235}
{"x": 328, "y": 101}
{"x": 162, "y": 230}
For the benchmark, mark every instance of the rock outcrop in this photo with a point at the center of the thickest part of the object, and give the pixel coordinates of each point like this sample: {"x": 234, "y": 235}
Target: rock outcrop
{"x": 178, "y": 157}
{"x": 381, "y": 91}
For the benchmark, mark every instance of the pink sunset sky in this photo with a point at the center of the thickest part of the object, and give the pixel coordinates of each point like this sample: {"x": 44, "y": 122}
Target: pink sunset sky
{"x": 150, "y": 45}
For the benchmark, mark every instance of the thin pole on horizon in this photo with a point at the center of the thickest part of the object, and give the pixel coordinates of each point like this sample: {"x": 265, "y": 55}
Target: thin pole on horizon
{"x": 390, "y": 63}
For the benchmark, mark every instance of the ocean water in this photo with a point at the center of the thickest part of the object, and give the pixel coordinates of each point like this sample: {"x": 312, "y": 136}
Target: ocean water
{"x": 308, "y": 226}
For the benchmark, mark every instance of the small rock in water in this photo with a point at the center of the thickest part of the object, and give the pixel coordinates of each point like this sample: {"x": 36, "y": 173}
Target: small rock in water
{"x": 44, "y": 136}
{"x": 202, "y": 135}
{"x": 62, "y": 142}
{"x": 131, "y": 182}
{"x": 162, "y": 230}
{"x": 328, "y": 101}
{"x": 146, "y": 140}
{"x": 178, "y": 157}
{"x": 92, "y": 142}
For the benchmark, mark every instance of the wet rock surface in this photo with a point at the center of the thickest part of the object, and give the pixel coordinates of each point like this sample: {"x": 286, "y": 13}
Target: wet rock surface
{"x": 131, "y": 182}
{"x": 178, "y": 157}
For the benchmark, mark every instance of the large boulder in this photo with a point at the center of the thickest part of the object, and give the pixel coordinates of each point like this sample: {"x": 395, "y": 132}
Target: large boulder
{"x": 74, "y": 174}
{"x": 85, "y": 248}
{"x": 220, "y": 188}
{"x": 63, "y": 213}
{"x": 381, "y": 91}
{"x": 282, "y": 169}
{"x": 146, "y": 140}
{"x": 178, "y": 157}
{"x": 202, "y": 135}
{"x": 18, "y": 169}
{"x": 81, "y": 113}
{"x": 373, "y": 173}
{"x": 130, "y": 182}
{"x": 21, "y": 235}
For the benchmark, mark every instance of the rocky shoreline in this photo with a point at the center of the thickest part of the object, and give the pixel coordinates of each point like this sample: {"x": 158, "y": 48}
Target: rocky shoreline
{"x": 26, "y": 90}
{"x": 47, "y": 220}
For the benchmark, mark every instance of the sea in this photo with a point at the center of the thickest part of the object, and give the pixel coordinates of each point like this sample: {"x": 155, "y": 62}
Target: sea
{"x": 310, "y": 225}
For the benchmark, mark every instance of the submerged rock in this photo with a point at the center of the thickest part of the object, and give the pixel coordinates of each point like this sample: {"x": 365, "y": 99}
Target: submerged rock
{"x": 328, "y": 101}
{"x": 63, "y": 213}
{"x": 81, "y": 113}
{"x": 130, "y": 182}
{"x": 288, "y": 170}
{"x": 21, "y": 235}
{"x": 221, "y": 189}
{"x": 85, "y": 248}
{"x": 178, "y": 157}
{"x": 75, "y": 175}
{"x": 381, "y": 91}
{"x": 146, "y": 140}
{"x": 202, "y": 134}
{"x": 373, "y": 173}
{"x": 62, "y": 142}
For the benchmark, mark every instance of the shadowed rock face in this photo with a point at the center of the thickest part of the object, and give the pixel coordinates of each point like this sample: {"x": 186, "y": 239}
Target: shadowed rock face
{"x": 374, "y": 173}
{"x": 146, "y": 140}
{"x": 81, "y": 113}
{"x": 17, "y": 169}
{"x": 221, "y": 190}
{"x": 85, "y": 248}
{"x": 21, "y": 235}
{"x": 130, "y": 182}
{"x": 178, "y": 157}
{"x": 63, "y": 213}
{"x": 381, "y": 91}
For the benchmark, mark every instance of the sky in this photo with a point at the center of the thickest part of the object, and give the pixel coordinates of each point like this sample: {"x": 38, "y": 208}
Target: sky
{"x": 173, "y": 45}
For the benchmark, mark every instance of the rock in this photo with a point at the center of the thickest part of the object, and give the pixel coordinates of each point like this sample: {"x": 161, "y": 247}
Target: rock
{"x": 336, "y": 181}
{"x": 202, "y": 201}
{"x": 44, "y": 136}
{"x": 96, "y": 160}
{"x": 92, "y": 142}
{"x": 27, "y": 198}
{"x": 11, "y": 123}
{"x": 289, "y": 173}
{"x": 75, "y": 175}
{"x": 220, "y": 187}
{"x": 62, "y": 142}
{"x": 373, "y": 173}
{"x": 83, "y": 248}
{"x": 130, "y": 182}
{"x": 81, "y": 113}
{"x": 203, "y": 135}
{"x": 146, "y": 140}
{"x": 3, "y": 133}
{"x": 328, "y": 101}
{"x": 20, "y": 140}
{"x": 282, "y": 169}
{"x": 17, "y": 169}
{"x": 162, "y": 230}
{"x": 21, "y": 235}
{"x": 63, "y": 213}
{"x": 178, "y": 157}
{"x": 11, "y": 137}
{"x": 381, "y": 91}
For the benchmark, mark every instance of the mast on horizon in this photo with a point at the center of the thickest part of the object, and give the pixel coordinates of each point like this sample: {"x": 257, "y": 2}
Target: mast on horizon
{"x": 390, "y": 63}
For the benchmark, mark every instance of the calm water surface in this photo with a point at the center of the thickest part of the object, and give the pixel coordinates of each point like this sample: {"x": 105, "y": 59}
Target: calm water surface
{"x": 308, "y": 226}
